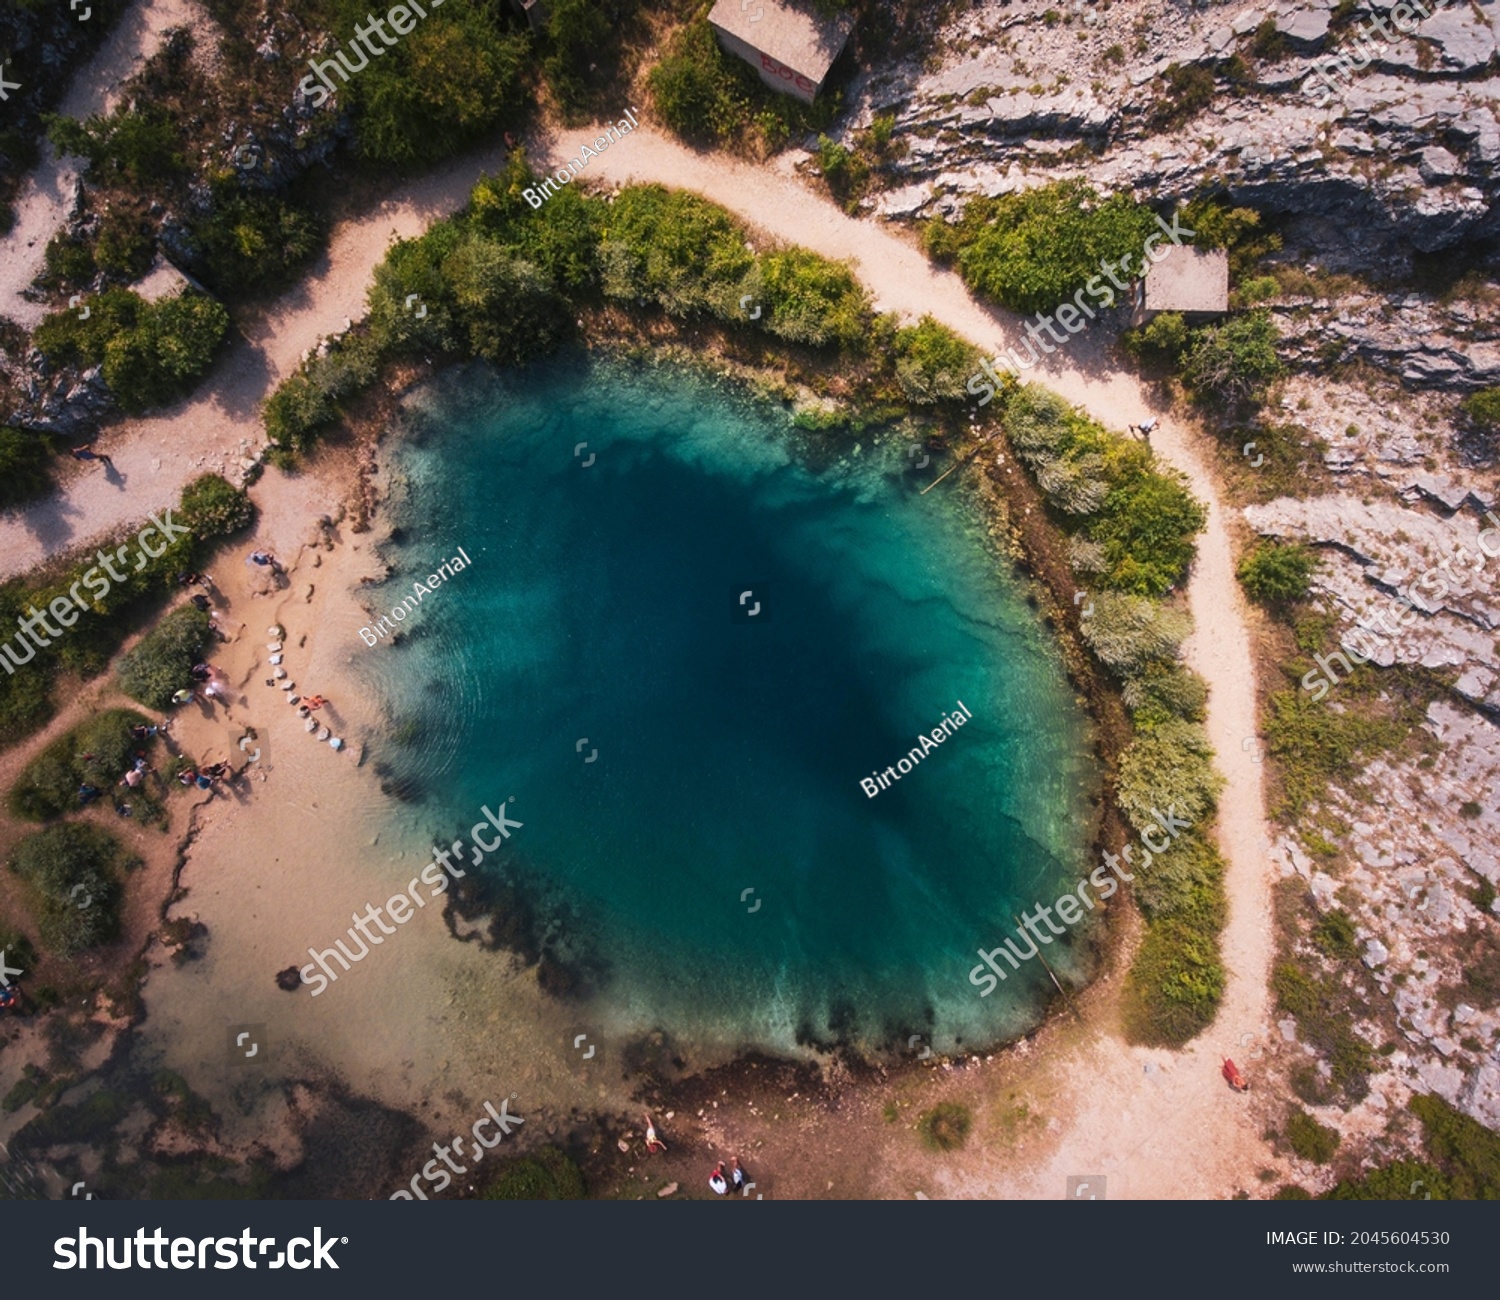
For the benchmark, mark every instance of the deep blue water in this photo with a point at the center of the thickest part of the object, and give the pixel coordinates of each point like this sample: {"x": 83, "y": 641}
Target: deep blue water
{"x": 603, "y": 603}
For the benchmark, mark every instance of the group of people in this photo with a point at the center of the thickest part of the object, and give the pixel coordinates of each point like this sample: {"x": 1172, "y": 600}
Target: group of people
{"x": 213, "y": 685}
{"x": 204, "y": 777}
{"x": 721, "y": 1180}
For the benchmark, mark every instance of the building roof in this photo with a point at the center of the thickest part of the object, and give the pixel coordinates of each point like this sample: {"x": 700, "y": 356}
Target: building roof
{"x": 1189, "y": 280}
{"x": 802, "y": 40}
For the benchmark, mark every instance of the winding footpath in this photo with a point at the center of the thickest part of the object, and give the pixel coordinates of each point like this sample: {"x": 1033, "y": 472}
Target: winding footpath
{"x": 1155, "y": 1123}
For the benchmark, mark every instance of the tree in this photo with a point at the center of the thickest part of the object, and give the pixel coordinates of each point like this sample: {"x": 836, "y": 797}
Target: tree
{"x": 1235, "y": 362}
{"x": 812, "y": 300}
{"x": 1128, "y": 632}
{"x": 172, "y": 344}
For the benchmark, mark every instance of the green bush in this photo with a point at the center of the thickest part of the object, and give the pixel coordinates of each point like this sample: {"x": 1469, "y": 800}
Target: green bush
{"x": 932, "y": 363}
{"x": 1334, "y": 934}
{"x": 1127, "y": 633}
{"x": 25, "y": 467}
{"x": 173, "y": 343}
{"x": 158, "y": 666}
{"x": 675, "y": 249}
{"x": 1160, "y": 341}
{"x": 945, "y": 1127}
{"x": 1468, "y": 1151}
{"x": 812, "y": 300}
{"x": 1186, "y": 90}
{"x": 1169, "y": 766}
{"x": 1401, "y": 1180}
{"x": 580, "y": 34}
{"x": 126, "y": 244}
{"x": 151, "y": 353}
{"x": 1277, "y": 573}
{"x": 461, "y": 73}
{"x": 1483, "y": 409}
{"x": 48, "y": 785}
{"x": 694, "y": 87}
{"x": 1309, "y": 1139}
{"x": 1235, "y": 362}
{"x": 75, "y": 892}
{"x": 1325, "y": 1020}
{"x": 139, "y": 147}
{"x": 18, "y": 952}
{"x": 69, "y": 262}
{"x": 1173, "y": 988}
{"x": 547, "y": 1175}
{"x": 307, "y": 402}
{"x": 509, "y": 308}
{"x": 1165, "y": 690}
{"x": 1035, "y": 250}
{"x": 562, "y": 237}
{"x": 212, "y": 507}
{"x": 1187, "y": 881}
{"x": 253, "y": 243}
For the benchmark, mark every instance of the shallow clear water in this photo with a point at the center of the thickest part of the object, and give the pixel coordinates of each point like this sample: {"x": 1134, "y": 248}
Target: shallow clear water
{"x": 603, "y": 604}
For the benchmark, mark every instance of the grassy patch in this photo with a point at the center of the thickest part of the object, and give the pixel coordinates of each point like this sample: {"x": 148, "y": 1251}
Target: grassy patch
{"x": 1309, "y": 1139}
{"x": 72, "y": 877}
{"x": 945, "y": 1127}
{"x": 97, "y": 752}
{"x": 547, "y": 1175}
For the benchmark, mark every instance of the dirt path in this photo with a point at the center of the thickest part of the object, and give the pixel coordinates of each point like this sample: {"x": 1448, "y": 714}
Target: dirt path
{"x": 1156, "y": 1124}
{"x": 46, "y": 199}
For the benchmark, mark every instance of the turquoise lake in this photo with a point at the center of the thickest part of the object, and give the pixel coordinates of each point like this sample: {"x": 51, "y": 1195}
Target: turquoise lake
{"x": 717, "y": 865}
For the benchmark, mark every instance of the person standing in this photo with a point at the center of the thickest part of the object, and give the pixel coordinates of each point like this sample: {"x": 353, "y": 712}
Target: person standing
{"x": 717, "y": 1181}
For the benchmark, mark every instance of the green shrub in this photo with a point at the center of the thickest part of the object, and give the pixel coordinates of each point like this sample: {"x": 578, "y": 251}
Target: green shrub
{"x": 932, "y": 363}
{"x": 75, "y": 892}
{"x": 151, "y": 353}
{"x": 1173, "y": 988}
{"x": 1034, "y": 250}
{"x": 1127, "y": 633}
{"x": 945, "y": 1127}
{"x": 1146, "y": 525}
{"x": 48, "y": 785}
{"x": 69, "y": 262}
{"x": 1401, "y": 1180}
{"x": 1165, "y": 690}
{"x": 1325, "y": 1020}
{"x": 1309, "y": 1139}
{"x": 675, "y": 249}
{"x": 18, "y": 952}
{"x": 126, "y": 244}
{"x": 212, "y": 507}
{"x": 1160, "y": 341}
{"x": 812, "y": 300}
{"x": 508, "y": 308}
{"x": 25, "y": 467}
{"x": 174, "y": 342}
{"x": 1468, "y": 1151}
{"x": 1170, "y": 766}
{"x": 547, "y": 1175}
{"x": 1277, "y": 573}
{"x": 254, "y": 243}
{"x": 306, "y": 403}
{"x": 694, "y": 87}
{"x": 460, "y": 74}
{"x": 1185, "y": 91}
{"x": 1483, "y": 409}
{"x": 1235, "y": 362}
{"x": 1187, "y": 881}
{"x": 158, "y": 666}
{"x": 562, "y": 237}
{"x": 579, "y": 32}
{"x": 1334, "y": 934}
{"x": 139, "y": 147}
